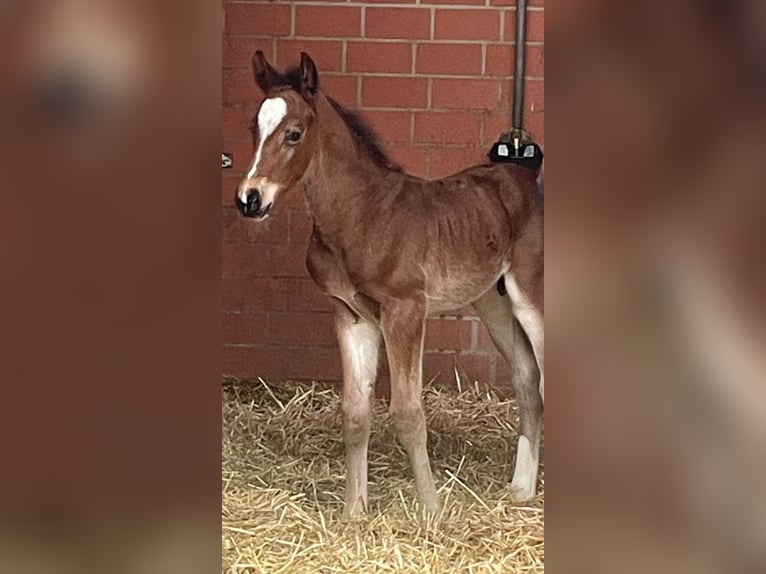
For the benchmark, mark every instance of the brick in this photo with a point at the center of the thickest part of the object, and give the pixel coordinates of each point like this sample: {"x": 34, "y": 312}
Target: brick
{"x": 454, "y": 2}
{"x": 506, "y": 95}
{"x": 444, "y": 127}
{"x": 447, "y": 93}
{"x": 327, "y": 55}
{"x": 305, "y": 295}
{"x": 459, "y": 59}
{"x": 245, "y": 260}
{"x": 239, "y": 87}
{"x": 342, "y": 88}
{"x": 441, "y": 367}
{"x": 261, "y": 19}
{"x": 302, "y": 329}
{"x": 500, "y": 60}
{"x": 535, "y": 25}
{"x": 390, "y": 126}
{"x": 242, "y": 151}
{"x": 239, "y": 229}
{"x": 255, "y": 294}
{"x": 289, "y": 260}
{"x": 534, "y": 96}
{"x": 307, "y": 363}
{"x": 229, "y": 182}
{"x": 397, "y": 23}
{"x": 236, "y": 120}
{"x": 234, "y": 227}
{"x": 535, "y": 61}
{"x": 513, "y": 2}
{"x": 238, "y": 51}
{"x": 245, "y": 328}
{"x": 374, "y": 57}
{"x": 411, "y": 158}
{"x": 394, "y": 91}
{"x": 445, "y": 335}
{"x": 534, "y": 122}
{"x": 494, "y": 124}
{"x": 327, "y": 21}
{"x": 449, "y": 160}
{"x": 467, "y": 25}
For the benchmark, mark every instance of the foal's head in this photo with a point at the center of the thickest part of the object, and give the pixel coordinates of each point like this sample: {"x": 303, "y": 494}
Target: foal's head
{"x": 283, "y": 133}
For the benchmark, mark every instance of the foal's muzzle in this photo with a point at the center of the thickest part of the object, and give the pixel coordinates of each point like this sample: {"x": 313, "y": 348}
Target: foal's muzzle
{"x": 252, "y": 207}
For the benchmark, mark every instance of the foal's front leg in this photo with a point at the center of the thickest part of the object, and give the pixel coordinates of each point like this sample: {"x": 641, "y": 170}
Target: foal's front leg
{"x": 403, "y": 324}
{"x": 359, "y": 341}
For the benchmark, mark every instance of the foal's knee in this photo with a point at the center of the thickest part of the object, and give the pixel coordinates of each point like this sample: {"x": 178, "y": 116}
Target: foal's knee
{"x": 410, "y": 425}
{"x": 356, "y": 423}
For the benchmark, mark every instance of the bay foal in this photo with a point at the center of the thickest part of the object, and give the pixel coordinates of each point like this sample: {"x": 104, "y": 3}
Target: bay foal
{"x": 390, "y": 249}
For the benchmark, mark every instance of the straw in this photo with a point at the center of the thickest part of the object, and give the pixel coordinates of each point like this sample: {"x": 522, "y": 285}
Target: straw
{"x": 283, "y": 481}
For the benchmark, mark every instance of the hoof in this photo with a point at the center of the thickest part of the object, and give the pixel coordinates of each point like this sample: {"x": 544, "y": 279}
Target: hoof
{"x": 522, "y": 492}
{"x": 429, "y": 510}
{"x": 354, "y": 511}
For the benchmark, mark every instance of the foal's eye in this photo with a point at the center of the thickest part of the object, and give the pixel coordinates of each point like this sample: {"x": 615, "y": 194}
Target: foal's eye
{"x": 293, "y": 137}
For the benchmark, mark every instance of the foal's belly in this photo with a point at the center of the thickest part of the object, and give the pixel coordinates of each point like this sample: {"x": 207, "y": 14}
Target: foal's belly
{"x": 453, "y": 292}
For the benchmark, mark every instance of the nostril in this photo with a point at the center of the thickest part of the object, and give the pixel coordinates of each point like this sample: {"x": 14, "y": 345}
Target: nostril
{"x": 253, "y": 200}
{"x": 251, "y": 205}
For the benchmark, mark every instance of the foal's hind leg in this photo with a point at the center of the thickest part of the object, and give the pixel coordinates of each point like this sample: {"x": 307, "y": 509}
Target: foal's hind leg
{"x": 530, "y": 315}
{"x": 403, "y": 324}
{"x": 359, "y": 341}
{"x": 496, "y": 312}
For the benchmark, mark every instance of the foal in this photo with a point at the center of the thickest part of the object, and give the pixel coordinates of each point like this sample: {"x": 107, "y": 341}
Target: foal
{"x": 390, "y": 249}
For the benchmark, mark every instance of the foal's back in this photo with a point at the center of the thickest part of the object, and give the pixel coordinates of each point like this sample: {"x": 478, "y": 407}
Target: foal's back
{"x": 452, "y": 238}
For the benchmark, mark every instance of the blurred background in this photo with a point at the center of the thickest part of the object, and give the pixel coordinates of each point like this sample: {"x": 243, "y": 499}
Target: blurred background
{"x": 655, "y": 427}
{"x": 109, "y": 291}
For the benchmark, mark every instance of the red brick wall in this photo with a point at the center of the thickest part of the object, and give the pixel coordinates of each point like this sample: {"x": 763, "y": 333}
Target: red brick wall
{"x": 433, "y": 77}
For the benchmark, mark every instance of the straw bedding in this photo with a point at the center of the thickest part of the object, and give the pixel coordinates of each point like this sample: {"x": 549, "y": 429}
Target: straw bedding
{"x": 283, "y": 483}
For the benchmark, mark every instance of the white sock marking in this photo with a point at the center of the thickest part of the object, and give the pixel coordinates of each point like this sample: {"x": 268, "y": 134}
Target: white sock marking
{"x": 525, "y": 474}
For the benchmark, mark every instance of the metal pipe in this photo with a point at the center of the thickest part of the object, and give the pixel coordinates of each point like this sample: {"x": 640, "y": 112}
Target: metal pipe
{"x": 518, "y": 74}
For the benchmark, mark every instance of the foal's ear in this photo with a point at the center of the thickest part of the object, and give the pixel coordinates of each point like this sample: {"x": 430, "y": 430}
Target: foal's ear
{"x": 309, "y": 75}
{"x": 265, "y": 75}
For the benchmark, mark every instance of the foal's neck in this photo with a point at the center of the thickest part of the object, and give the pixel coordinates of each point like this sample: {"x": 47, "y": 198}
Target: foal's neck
{"x": 340, "y": 174}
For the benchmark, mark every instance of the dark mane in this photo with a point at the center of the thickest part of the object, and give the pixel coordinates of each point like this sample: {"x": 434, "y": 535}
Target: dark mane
{"x": 364, "y": 136}
{"x": 293, "y": 78}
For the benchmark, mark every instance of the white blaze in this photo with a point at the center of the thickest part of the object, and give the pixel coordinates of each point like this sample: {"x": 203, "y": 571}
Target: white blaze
{"x": 271, "y": 114}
